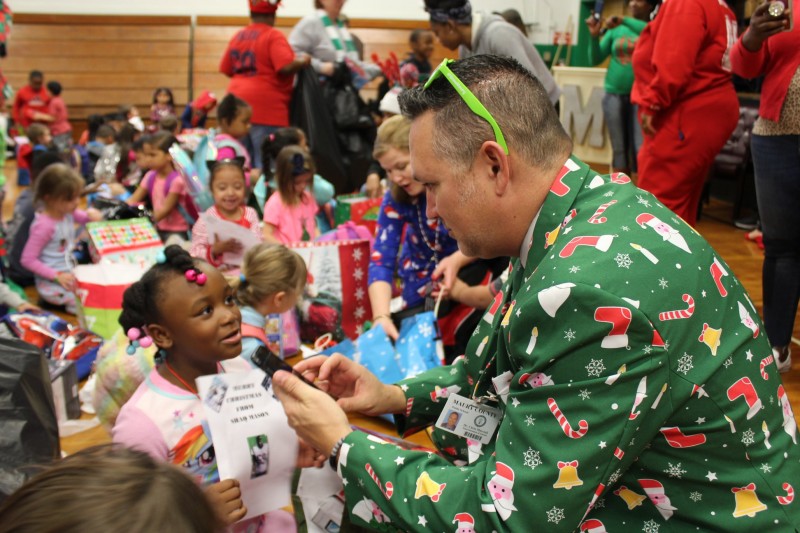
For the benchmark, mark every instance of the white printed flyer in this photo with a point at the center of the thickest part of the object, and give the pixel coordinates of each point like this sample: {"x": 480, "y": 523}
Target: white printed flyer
{"x": 253, "y": 442}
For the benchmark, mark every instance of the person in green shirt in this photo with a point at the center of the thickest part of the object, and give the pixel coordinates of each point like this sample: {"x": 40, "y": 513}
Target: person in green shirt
{"x": 616, "y": 37}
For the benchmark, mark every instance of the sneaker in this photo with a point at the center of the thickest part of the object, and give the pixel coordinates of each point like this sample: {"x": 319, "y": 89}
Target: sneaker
{"x": 746, "y": 223}
{"x": 783, "y": 358}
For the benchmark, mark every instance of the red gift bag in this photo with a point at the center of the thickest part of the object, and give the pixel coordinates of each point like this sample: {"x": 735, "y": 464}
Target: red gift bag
{"x": 336, "y": 299}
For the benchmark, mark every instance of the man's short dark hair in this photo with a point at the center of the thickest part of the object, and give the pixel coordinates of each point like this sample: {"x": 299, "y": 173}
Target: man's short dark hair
{"x": 514, "y": 97}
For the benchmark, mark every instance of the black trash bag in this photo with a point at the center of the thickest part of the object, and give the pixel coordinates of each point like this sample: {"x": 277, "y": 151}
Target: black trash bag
{"x": 113, "y": 209}
{"x": 355, "y": 128}
{"x": 309, "y": 112}
{"x": 29, "y": 435}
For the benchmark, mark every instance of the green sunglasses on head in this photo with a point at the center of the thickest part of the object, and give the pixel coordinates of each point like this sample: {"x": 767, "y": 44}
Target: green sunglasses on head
{"x": 470, "y": 99}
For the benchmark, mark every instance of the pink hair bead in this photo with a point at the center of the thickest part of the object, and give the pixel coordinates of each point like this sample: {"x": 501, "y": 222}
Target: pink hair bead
{"x": 191, "y": 275}
{"x": 133, "y": 334}
{"x": 145, "y": 342}
{"x": 201, "y": 278}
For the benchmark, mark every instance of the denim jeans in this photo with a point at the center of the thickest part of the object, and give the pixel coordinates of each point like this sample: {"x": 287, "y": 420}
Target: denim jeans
{"x": 623, "y": 128}
{"x": 777, "y": 167}
{"x": 254, "y": 140}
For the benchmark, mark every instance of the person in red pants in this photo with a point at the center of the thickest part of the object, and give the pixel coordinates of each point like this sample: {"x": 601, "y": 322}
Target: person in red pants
{"x": 687, "y": 104}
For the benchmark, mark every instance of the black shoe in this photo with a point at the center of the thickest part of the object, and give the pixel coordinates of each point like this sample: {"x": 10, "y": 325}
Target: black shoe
{"x": 747, "y": 223}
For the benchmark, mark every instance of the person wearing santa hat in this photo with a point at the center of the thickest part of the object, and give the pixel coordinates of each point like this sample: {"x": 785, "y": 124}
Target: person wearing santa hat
{"x": 196, "y": 111}
{"x": 261, "y": 66}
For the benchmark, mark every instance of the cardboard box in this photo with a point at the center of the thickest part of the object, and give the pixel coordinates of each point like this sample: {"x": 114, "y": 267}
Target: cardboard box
{"x": 64, "y": 380}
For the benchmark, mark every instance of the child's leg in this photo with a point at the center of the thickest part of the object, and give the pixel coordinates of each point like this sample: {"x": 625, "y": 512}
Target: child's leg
{"x": 53, "y": 293}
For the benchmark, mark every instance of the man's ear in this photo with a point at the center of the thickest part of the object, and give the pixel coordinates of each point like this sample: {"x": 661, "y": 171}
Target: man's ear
{"x": 160, "y": 336}
{"x": 496, "y": 165}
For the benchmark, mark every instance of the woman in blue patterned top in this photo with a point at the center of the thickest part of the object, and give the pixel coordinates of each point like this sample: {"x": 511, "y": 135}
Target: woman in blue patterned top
{"x": 419, "y": 250}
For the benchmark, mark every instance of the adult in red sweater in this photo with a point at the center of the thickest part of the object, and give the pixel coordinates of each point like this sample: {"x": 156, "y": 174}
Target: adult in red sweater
{"x": 31, "y": 101}
{"x": 687, "y": 104}
{"x": 261, "y": 65}
{"x": 767, "y": 49}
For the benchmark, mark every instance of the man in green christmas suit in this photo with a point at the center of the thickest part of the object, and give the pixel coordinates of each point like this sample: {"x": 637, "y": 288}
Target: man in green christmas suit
{"x": 628, "y": 370}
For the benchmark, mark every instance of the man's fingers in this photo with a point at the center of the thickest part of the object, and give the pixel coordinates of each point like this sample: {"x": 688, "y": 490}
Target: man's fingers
{"x": 287, "y": 386}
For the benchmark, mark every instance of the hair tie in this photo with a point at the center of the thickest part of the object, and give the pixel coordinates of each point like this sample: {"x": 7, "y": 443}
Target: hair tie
{"x": 195, "y": 276}
{"x": 242, "y": 278}
{"x": 161, "y": 257}
{"x": 300, "y": 166}
{"x": 137, "y": 340}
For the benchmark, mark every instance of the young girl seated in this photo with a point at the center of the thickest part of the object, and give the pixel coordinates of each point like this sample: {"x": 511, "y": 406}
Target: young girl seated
{"x": 228, "y": 189}
{"x": 196, "y": 330}
{"x": 273, "y": 278}
{"x": 52, "y": 234}
{"x": 290, "y": 212}
{"x": 165, "y": 188}
{"x": 163, "y": 105}
{"x": 322, "y": 189}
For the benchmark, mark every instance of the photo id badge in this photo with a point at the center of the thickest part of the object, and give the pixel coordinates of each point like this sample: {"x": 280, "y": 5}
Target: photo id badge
{"x": 467, "y": 418}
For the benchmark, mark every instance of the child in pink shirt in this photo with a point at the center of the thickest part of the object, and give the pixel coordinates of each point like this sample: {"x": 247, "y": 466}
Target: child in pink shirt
{"x": 60, "y": 127}
{"x": 164, "y": 186}
{"x": 289, "y": 214}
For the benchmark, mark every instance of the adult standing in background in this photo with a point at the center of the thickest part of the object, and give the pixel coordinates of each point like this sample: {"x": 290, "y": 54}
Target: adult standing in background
{"x": 458, "y": 28}
{"x": 767, "y": 49}
{"x": 324, "y": 36}
{"x": 617, "y": 38}
{"x": 31, "y": 101}
{"x": 261, "y": 65}
{"x": 687, "y": 104}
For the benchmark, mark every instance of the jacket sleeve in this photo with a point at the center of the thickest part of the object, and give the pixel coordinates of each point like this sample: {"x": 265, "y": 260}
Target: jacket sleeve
{"x": 580, "y": 414}
{"x": 423, "y": 405}
{"x": 681, "y": 31}
{"x": 383, "y": 261}
{"x": 749, "y": 64}
{"x": 41, "y": 233}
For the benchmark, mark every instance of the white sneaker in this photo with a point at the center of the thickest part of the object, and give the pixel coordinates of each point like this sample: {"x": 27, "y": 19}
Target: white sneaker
{"x": 783, "y": 359}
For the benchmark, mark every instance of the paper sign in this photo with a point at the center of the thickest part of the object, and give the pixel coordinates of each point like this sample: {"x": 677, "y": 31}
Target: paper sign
{"x": 224, "y": 230}
{"x": 252, "y": 438}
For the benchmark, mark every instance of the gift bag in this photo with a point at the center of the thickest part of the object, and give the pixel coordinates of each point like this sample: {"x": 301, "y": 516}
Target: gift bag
{"x": 99, "y": 290}
{"x": 57, "y": 338}
{"x": 414, "y": 352}
{"x": 281, "y": 334}
{"x": 133, "y": 241}
{"x": 359, "y": 209}
{"x": 30, "y": 427}
{"x": 336, "y": 299}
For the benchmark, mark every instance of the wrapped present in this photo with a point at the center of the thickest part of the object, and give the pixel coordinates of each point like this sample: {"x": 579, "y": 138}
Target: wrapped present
{"x": 359, "y": 209}
{"x": 133, "y": 241}
{"x": 57, "y": 338}
{"x": 336, "y": 299}
{"x": 99, "y": 288}
{"x": 414, "y": 352}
